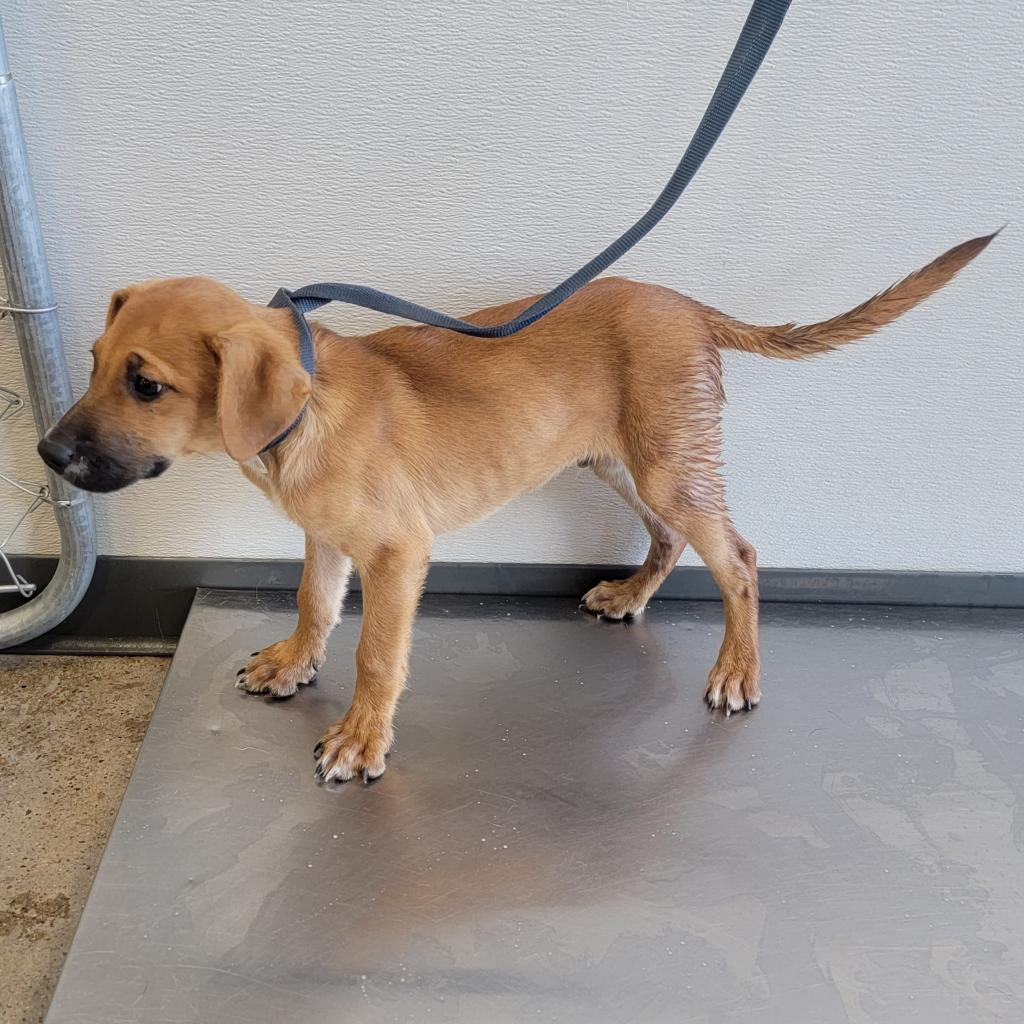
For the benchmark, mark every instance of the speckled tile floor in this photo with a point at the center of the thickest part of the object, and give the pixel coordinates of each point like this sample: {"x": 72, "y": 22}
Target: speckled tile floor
{"x": 69, "y": 732}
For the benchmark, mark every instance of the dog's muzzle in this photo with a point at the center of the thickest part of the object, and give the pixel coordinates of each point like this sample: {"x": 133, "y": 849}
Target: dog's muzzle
{"x": 86, "y": 464}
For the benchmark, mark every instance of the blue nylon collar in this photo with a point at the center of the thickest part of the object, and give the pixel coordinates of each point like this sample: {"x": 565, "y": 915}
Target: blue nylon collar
{"x": 755, "y": 40}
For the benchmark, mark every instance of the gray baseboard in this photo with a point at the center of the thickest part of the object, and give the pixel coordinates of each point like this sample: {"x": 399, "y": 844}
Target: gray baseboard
{"x": 139, "y": 605}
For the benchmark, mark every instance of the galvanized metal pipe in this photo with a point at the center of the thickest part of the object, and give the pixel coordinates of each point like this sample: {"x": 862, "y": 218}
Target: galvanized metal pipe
{"x": 42, "y": 353}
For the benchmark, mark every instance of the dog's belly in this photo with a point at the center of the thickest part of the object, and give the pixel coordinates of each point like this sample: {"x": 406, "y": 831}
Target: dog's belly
{"x": 456, "y": 501}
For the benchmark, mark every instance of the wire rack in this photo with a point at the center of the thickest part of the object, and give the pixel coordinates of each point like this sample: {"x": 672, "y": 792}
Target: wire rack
{"x": 11, "y": 403}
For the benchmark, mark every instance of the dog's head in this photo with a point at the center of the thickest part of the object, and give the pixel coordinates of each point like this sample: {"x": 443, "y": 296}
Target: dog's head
{"x": 183, "y": 366}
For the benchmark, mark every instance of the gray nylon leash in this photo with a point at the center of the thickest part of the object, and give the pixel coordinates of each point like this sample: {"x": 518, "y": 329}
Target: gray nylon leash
{"x": 755, "y": 40}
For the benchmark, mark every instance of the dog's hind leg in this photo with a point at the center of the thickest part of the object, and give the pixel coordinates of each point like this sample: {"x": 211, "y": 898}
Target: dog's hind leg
{"x": 620, "y": 599}
{"x": 691, "y": 500}
{"x": 734, "y": 681}
{"x": 281, "y": 668}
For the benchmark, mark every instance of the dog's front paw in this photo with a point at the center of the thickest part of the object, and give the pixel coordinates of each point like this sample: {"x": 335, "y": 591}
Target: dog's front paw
{"x": 357, "y": 744}
{"x": 278, "y": 670}
{"x": 733, "y": 685}
{"x": 614, "y": 600}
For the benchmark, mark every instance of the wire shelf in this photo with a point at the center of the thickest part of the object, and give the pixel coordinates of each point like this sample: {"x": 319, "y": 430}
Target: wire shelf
{"x": 11, "y": 403}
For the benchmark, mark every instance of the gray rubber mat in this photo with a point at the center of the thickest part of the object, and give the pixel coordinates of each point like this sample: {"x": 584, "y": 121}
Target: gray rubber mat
{"x": 564, "y": 833}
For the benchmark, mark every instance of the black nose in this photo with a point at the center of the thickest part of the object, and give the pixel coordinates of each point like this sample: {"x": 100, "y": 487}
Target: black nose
{"x": 55, "y": 453}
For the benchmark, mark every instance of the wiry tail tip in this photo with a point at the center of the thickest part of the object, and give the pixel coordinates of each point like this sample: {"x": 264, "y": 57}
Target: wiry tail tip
{"x": 966, "y": 251}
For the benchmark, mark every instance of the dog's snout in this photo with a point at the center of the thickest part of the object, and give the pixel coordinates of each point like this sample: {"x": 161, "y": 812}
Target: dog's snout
{"x": 96, "y": 463}
{"x": 56, "y": 452}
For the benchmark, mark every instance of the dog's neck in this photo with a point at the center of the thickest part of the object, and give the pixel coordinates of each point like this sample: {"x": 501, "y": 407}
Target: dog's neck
{"x": 337, "y": 359}
{"x": 280, "y": 320}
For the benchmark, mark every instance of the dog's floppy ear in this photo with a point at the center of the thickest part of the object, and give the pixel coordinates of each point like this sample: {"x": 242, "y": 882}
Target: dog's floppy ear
{"x": 262, "y": 387}
{"x": 117, "y": 300}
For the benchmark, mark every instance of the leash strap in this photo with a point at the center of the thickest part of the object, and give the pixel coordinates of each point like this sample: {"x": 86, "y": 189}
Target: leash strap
{"x": 755, "y": 40}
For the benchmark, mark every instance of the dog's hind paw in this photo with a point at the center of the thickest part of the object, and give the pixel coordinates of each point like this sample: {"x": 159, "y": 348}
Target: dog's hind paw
{"x": 278, "y": 670}
{"x": 614, "y": 599}
{"x": 733, "y": 686}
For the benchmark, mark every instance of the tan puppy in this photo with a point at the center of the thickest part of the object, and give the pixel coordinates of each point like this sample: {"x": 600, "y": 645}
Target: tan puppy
{"x": 416, "y": 431}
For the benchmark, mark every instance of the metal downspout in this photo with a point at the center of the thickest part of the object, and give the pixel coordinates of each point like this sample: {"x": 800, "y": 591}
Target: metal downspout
{"x": 42, "y": 353}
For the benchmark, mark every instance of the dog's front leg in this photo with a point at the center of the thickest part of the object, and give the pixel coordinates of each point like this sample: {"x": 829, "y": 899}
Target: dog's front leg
{"x": 392, "y": 581}
{"x": 282, "y": 668}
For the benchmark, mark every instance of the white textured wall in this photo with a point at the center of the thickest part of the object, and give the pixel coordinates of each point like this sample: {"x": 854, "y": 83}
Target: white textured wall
{"x": 466, "y": 153}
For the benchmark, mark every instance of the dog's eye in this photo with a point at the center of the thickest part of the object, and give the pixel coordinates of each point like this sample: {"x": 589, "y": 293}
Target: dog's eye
{"x": 147, "y": 389}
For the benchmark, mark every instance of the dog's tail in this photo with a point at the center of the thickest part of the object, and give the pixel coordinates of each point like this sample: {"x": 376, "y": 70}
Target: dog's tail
{"x": 790, "y": 341}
